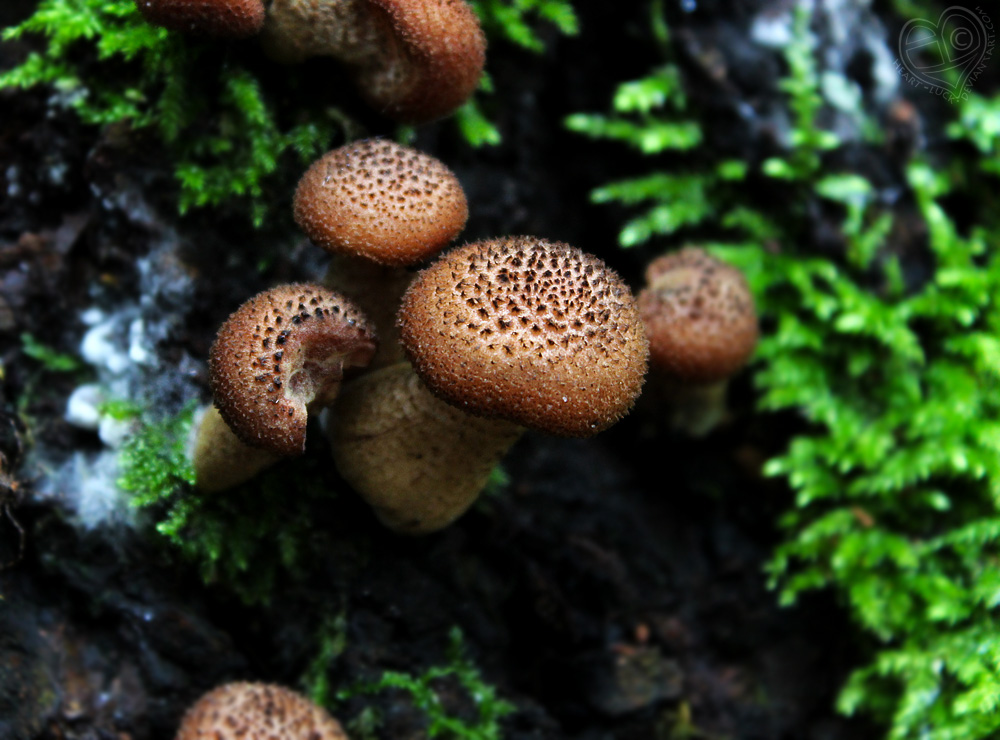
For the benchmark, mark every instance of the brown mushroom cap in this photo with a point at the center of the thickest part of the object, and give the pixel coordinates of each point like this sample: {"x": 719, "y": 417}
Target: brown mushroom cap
{"x": 699, "y": 316}
{"x": 434, "y": 65}
{"x": 380, "y": 201}
{"x": 279, "y": 352}
{"x": 235, "y": 19}
{"x": 527, "y": 330}
{"x": 414, "y": 60}
{"x": 256, "y": 711}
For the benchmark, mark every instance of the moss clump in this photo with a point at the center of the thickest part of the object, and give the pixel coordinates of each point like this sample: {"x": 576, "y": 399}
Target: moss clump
{"x": 249, "y": 541}
{"x": 890, "y": 352}
{"x": 490, "y": 709}
{"x": 153, "y": 461}
{"x": 218, "y": 125}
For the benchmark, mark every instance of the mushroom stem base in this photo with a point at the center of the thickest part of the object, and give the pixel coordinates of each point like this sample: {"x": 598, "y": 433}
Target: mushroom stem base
{"x": 220, "y": 459}
{"x": 693, "y": 410}
{"x": 418, "y": 461}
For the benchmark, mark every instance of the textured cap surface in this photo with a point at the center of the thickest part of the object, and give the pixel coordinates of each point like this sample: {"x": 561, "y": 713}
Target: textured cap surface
{"x": 256, "y": 711}
{"x": 279, "y": 352}
{"x": 434, "y": 62}
{"x": 224, "y": 18}
{"x": 699, "y": 316}
{"x": 296, "y": 30}
{"x": 380, "y": 201}
{"x": 528, "y": 330}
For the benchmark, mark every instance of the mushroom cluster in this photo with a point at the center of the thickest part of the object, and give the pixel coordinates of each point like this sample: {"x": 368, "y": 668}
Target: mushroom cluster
{"x": 379, "y": 208}
{"x": 492, "y": 338}
{"x": 412, "y": 60}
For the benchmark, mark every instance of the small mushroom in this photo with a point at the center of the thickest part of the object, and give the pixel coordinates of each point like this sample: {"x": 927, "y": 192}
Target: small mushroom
{"x": 504, "y": 334}
{"x": 257, "y": 711}
{"x": 379, "y": 207}
{"x": 278, "y": 355}
{"x": 413, "y": 60}
{"x": 234, "y": 19}
{"x": 380, "y": 201}
{"x": 702, "y": 326}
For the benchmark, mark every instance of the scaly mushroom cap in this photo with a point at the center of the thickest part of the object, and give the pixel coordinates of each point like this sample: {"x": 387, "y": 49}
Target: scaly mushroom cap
{"x": 414, "y": 60}
{"x": 256, "y": 711}
{"x": 699, "y": 316}
{"x": 235, "y": 19}
{"x": 380, "y": 201}
{"x": 347, "y": 30}
{"x": 435, "y": 63}
{"x": 280, "y": 352}
{"x": 527, "y": 330}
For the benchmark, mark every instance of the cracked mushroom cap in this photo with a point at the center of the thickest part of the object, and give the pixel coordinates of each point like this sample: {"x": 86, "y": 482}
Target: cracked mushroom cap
{"x": 256, "y": 711}
{"x": 699, "y": 316}
{"x": 380, "y": 201}
{"x": 528, "y": 330}
{"x": 235, "y": 19}
{"x": 280, "y": 352}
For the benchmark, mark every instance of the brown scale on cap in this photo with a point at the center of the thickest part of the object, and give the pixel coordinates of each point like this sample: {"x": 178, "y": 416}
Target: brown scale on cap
{"x": 380, "y": 201}
{"x": 256, "y": 711}
{"x": 280, "y": 352}
{"x": 527, "y": 330}
{"x": 414, "y": 60}
{"x": 234, "y": 19}
{"x": 699, "y": 316}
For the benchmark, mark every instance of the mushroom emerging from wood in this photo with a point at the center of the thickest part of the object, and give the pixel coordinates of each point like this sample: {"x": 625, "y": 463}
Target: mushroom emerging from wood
{"x": 280, "y": 354}
{"x": 234, "y": 19}
{"x": 413, "y": 60}
{"x": 379, "y": 207}
{"x": 702, "y": 326}
{"x": 257, "y": 711}
{"x": 504, "y": 334}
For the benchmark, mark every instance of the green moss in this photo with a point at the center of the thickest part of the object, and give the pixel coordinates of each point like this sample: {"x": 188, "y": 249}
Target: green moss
{"x": 50, "y": 359}
{"x": 897, "y": 476}
{"x": 250, "y": 538}
{"x": 490, "y": 709}
{"x": 332, "y": 640}
{"x": 153, "y": 461}
{"x": 224, "y": 132}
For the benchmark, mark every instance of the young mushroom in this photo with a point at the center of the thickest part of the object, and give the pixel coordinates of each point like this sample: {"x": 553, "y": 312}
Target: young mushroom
{"x": 503, "y": 335}
{"x": 702, "y": 326}
{"x": 234, "y": 19}
{"x": 379, "y": 207}
{"x": 413, "y": 60}
{"x": 277, "y": 356}
{"x": 257, "y": 711}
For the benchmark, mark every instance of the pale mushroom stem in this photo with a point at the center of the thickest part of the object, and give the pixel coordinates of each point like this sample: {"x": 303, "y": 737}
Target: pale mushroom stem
{"x": 693, "y": 410}
{"x": 377, "y": 290}
{"x": 418, "y": 461}
{"x": 220, "y": 459}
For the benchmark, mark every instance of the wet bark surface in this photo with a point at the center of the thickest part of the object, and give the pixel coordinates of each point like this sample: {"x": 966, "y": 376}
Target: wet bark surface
{"x": 615, "y": 589}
